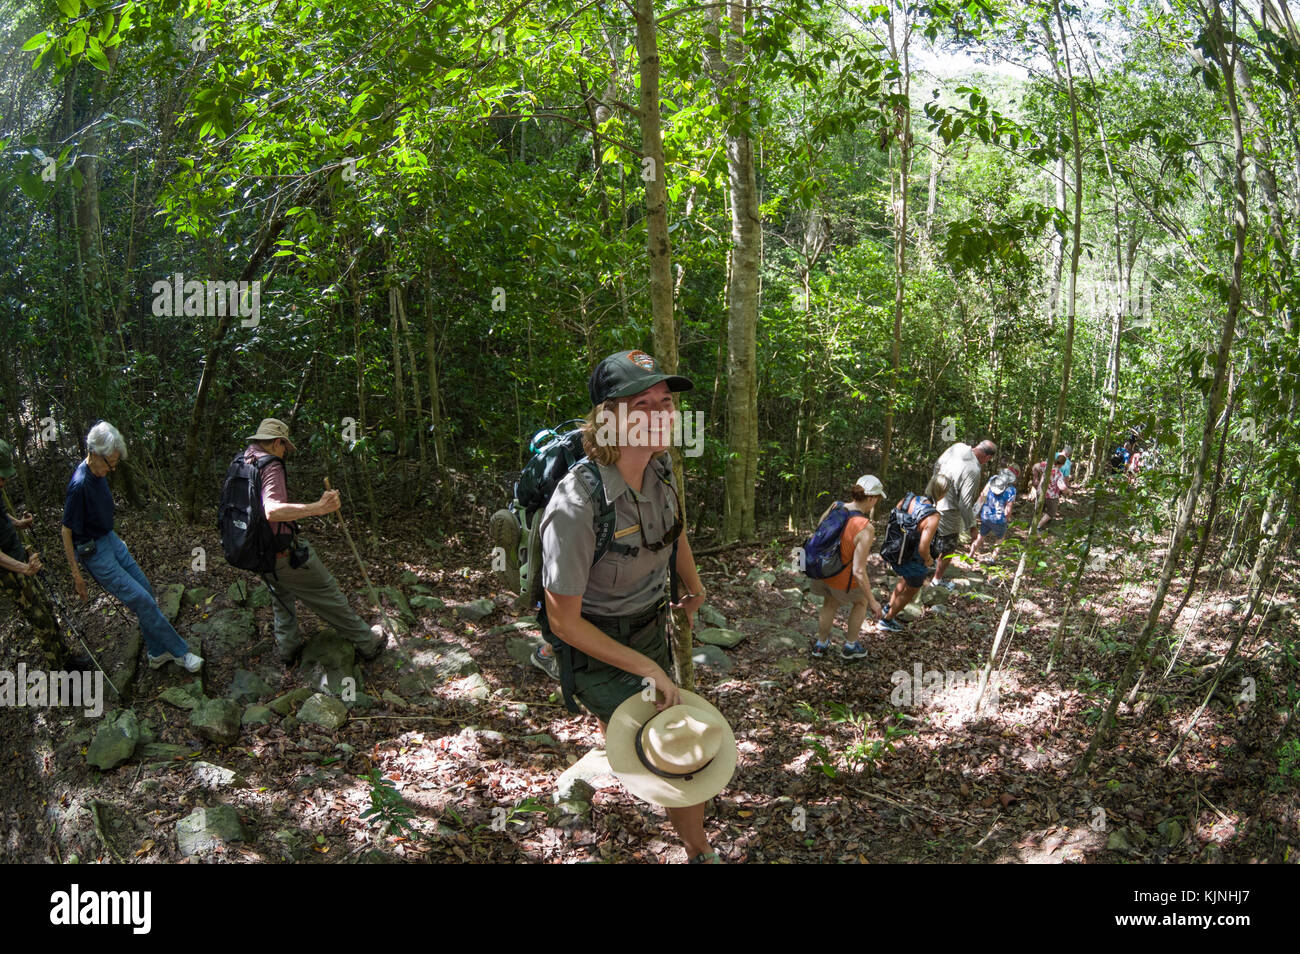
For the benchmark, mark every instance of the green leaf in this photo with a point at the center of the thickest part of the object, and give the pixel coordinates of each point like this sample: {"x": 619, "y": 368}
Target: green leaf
{"x": 96, "y": 56}
{"x": 69, "y": 8}
{"x": 38, "y": 40}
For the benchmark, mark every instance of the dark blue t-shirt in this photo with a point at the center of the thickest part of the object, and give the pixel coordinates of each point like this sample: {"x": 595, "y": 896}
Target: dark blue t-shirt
{"x": 87, "y": 506}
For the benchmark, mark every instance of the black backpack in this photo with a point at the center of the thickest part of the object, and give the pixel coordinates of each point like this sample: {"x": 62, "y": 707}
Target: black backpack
{"x": 246, "y": 535}
{"x": 903, "y": 535}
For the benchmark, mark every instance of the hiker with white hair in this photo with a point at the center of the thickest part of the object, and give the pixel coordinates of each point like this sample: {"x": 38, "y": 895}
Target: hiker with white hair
{"x": 961, "y": 464}
{"x": 89, "y": 541}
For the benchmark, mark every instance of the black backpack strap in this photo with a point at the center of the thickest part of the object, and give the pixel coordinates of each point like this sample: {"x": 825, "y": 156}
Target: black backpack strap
{"x": 564, "y": 655}
{"x": 589, "y": 477}
{"x": 261, "y": 462}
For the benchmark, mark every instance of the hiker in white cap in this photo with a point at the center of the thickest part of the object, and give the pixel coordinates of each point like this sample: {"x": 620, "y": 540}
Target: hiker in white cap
{"x": 851, "y": 586}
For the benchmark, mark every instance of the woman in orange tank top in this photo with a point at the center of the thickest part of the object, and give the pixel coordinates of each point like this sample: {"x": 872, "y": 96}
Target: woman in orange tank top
{"x": 851, "y": 586}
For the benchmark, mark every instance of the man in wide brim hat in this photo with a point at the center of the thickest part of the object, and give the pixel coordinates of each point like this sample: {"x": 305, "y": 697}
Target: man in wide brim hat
{"x": 675, "y": 758}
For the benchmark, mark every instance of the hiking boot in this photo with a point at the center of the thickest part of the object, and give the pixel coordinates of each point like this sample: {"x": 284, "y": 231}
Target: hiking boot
{"x": 713, "y": 858}
{"x": 289, "y": 654}
{"x": 819, "y": 649}
{"x": 376, "y": 648}
{"x": 546, "y": 662}
{"x": 948, "y": 585}
{"x": 853, "y": 650}
{"x": 889, "y": 625}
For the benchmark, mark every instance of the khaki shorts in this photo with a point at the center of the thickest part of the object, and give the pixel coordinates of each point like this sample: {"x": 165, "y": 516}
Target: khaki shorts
{"x": 855, "y": 594}
{"x": 602, "y": 687}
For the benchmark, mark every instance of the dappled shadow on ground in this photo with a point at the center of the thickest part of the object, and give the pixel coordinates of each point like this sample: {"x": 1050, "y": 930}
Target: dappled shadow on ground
{"x": 874, "y": 760}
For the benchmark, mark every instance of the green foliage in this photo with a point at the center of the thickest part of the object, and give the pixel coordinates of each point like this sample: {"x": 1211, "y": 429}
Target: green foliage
{"x": 388, "y": 808}
{"x": 861, "y": 754}
{"x": 1288, "y": 761}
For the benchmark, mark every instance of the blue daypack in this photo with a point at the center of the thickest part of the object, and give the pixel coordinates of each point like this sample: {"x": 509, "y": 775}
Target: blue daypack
{"x": 821, "y": 551}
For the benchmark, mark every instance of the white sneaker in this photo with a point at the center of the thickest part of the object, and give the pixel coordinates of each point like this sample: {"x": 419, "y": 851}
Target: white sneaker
{"x": 189, "y": 661}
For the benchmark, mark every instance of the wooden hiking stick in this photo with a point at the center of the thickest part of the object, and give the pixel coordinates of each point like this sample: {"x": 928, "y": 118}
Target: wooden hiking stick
{"x": 374, "y": 597}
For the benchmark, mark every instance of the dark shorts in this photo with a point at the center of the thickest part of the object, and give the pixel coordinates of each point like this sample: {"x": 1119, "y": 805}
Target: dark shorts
{"x": 913, "y": 572}
{"x": 1053, "y": 506}
{"x": 602, "y": 687}
{"x": 946, "y": 544}
{"x": 993, "y": 529}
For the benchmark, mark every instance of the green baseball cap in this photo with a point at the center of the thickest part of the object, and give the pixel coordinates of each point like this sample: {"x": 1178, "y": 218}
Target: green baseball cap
{"x": 627, "y": 373}
{"x": 7, "y": 468}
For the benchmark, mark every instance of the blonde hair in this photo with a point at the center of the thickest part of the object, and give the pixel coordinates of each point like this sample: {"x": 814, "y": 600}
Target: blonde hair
{"x": 597, "y": 451}
{"x": 937, "y": 488}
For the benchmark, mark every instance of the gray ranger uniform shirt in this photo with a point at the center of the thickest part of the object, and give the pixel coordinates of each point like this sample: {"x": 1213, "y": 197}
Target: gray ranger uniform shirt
{"x": 619, "y": 585}
{"x": 962, "y": 468}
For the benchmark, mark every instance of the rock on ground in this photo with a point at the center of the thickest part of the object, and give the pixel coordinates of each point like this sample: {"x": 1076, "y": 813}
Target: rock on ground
{"x": 205, "y": 830}
{"x": 716, "y": 636}
{"x": 115, "y": 741}
{"x": 217, "y": 720}
{"x": 324, "y": 711}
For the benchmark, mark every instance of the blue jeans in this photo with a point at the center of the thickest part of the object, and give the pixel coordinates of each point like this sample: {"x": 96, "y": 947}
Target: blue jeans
{"x": 113, "y": 568}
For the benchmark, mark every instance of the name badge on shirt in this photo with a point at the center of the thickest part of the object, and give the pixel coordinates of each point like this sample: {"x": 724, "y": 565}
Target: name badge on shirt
{"x": 635, "y": 528}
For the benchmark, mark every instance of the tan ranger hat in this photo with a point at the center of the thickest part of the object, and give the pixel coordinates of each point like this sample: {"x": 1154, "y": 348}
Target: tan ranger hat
{"x": 679, "y": 757}
{"x": 272, "y": 429}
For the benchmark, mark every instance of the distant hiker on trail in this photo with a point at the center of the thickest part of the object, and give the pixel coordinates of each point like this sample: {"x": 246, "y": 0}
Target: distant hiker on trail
{"x": 18, "y": 571}
{"x": 1123, "y": 454}
{"x": 961, "y": 464}
{"x": 89, "y": 541}
{"x": 1068, "y": 466}
{"x": 910, "y": 545}
{"x": 298, "y": 572}
{"x": 607, "y": 619}
{"x": 998, "y": 496}
{"x": 1136, "y": 461}
{"x": 1056, "y": 485}
{"x": 850, "y": 548}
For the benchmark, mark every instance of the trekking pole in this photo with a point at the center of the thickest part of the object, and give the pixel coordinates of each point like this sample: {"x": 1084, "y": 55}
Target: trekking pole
{"x": 56, "y": 602}
{"x": 374, "y": 597}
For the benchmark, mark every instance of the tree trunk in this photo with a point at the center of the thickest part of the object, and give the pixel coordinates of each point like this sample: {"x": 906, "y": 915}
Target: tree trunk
{"x": 1214, "y": 36}
{"x": 659, "y": 252}
{"x": 899, "y": 22}
{"x": 725, "y": 62}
